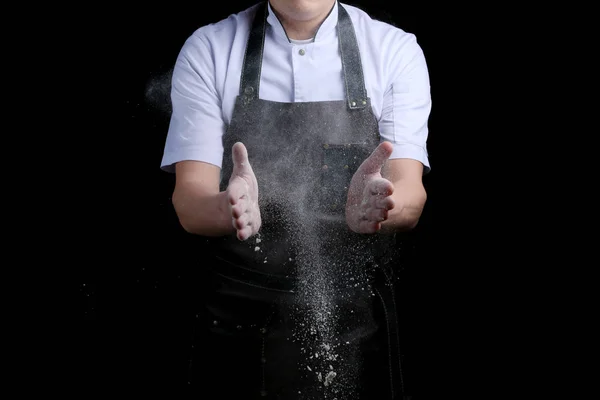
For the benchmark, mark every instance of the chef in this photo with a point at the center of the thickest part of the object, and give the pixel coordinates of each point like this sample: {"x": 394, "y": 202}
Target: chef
{"x": 298, "y": 139}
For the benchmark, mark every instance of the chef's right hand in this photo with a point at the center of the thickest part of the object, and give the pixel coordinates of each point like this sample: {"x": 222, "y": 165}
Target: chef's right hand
{"x": 242, "y": 194}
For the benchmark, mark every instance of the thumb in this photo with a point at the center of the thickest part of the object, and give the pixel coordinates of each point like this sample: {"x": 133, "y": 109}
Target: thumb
{"x": 239, "y": 154}
{"x": 377, "y": 159}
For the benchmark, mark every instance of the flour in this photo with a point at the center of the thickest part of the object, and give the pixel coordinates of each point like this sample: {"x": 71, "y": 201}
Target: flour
{"x": 158, "y": 91}
{"x": 325, "y": 266}
{"x": 329, "y": 360}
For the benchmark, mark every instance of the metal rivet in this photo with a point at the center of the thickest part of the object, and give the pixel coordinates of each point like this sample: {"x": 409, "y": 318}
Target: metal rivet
{"x": 326, "y": 146}
{"x": 263, "y": 360}
{"x": 263, "y": 330}
{"x": 345, "y": 167}
{"x": 215, "y": 322}
{"x": 364, "y": 102}
{"x": 325, "y": 167}
{"x": 302, "y": 52}
{"x": 239, "y": 327}
{"x": 353, "y": 104}
{"x": 249, "y": 90}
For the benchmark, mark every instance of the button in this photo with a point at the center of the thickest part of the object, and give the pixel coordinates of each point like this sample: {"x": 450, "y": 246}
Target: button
{"x": 301, "y": 52}
{"x": 325, "y": 167}
{"x": 249, "y": 90}
{"x": 215, "y": 322}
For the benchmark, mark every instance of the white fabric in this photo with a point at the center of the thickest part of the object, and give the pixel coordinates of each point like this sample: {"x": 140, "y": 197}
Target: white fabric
{"x": 206, "y": 81}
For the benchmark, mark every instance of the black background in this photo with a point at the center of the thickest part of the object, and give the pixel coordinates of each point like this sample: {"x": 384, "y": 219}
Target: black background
{"x": 136, "y": 297}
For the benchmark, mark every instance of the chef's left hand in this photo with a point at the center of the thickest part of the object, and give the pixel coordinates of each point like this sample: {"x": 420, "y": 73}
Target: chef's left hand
{"x": 369, "y": 194}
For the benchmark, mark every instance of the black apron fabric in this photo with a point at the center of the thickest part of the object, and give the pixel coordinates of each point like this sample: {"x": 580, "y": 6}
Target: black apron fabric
{"x": 256, "y": 341}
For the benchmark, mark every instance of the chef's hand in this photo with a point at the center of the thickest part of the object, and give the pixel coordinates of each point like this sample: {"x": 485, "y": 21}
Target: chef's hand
{"x": 242, "y": 193}
{"x": 369, "y": 193}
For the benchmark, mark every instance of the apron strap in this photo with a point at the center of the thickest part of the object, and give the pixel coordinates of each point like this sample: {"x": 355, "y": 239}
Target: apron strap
{"x": 356, "y": 94}
{"x": 250, "y": 80}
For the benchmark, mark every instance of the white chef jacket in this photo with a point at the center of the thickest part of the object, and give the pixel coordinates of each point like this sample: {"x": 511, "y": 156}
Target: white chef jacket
{"x": 206, "y": 81}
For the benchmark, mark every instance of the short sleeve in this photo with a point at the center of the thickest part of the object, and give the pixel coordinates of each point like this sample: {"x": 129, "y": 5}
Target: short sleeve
{"x": 197, "y": 125}
{"x": 407, "y": 102}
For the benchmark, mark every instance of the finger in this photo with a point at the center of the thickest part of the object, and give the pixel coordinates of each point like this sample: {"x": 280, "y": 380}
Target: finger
{"x": 239, "y": 154}
{"x": 377, "y": 159}
{"x": 376, "y": 215}
{"x": 386, "y": 203}
{"x": 244, "y": 233}
{"x": 242, "y": 221}
{"x": 370, "y": 227}
{"x": 381, "y": 186}
{"x": 238, "y": 210}
{"x": 376, "y": 227}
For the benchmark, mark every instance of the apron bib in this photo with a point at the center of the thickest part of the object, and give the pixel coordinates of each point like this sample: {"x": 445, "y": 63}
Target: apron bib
{"x": 305, "y": 309}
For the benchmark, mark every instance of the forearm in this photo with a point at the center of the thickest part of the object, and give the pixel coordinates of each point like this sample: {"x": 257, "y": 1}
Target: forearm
{"x": 203, "y": 214}
{"x": 409, "y": 197}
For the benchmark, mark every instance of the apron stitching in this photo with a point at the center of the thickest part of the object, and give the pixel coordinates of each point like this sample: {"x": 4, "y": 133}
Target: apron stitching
{"x": 390, "y": 283}
{"x": 191, "y": 354}
{"x": 264, "y": 388}
{"x": 263, "y": 359}
{"x": 387, "y": 277}
{"x": 249, "y": 270}
{"x": 398, "y": 344}
{"x": 253, "y": 285}
{"x": 389, "y": 341}
{"x": 242, "y": 78}
{"x": 269, "y": 278}
{"x": 343, "y": 64}
{"x": 262, "y": 47}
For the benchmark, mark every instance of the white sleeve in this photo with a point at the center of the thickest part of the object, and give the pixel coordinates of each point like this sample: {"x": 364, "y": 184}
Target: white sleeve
{"x": 196, "y": 126}
{"x": 407, "y": 102}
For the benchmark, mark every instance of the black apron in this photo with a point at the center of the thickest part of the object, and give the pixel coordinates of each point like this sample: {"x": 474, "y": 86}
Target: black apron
{"x": 304, "y": 310}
